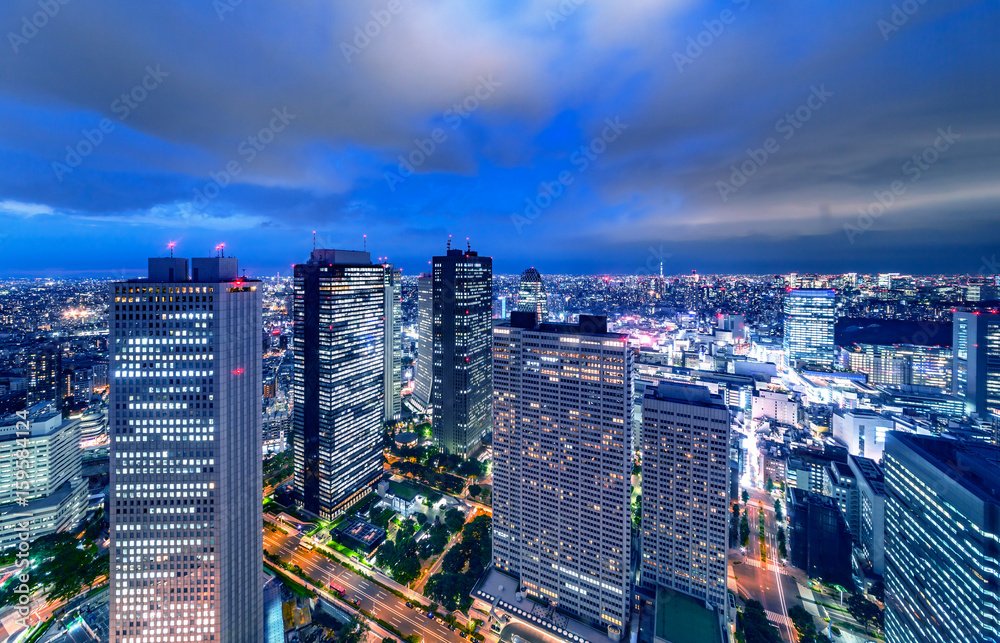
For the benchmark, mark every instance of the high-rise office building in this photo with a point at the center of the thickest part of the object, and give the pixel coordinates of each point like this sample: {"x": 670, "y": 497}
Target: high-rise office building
{"x": 976, "y": 366}
{"x": 338, "y": 387}
{"x": 900, "y": 364}
{"x": 810, "y": 316}
{"x": 393, "y": 342}
{"x": 531, "y": 296}
{"x": 685, "y": 484}
{"x": 424, "y": 368}
{"x": 185, "y": 421}
{"x": 461, "y": 382}
{"x": 55, "y": 499}
{"x": 44, "y": 368}
{"x": 942, "y": 520}
{"x": 562, "y": 461}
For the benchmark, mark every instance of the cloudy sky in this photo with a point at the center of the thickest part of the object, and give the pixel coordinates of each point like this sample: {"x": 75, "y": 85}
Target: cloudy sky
{"x": 576, "y": 136}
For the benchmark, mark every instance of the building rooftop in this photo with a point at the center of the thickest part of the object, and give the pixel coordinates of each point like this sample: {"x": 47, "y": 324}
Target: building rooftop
{"x": 404, "y": 491}
{"x": 974, "y": 464}
{"x": 687, "y": 393}
{"x": 683, "y": 619}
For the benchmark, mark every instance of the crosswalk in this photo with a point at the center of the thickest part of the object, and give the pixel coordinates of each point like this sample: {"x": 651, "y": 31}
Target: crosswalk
{"x": 778, "y": 619}
{"x": 769, "y": 566}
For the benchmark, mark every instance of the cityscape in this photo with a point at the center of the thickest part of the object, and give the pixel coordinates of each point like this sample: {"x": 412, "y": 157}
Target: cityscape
{"x": 540, "y": 321}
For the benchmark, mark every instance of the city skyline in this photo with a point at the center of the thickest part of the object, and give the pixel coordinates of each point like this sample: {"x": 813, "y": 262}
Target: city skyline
{"x": 719, "y": 134}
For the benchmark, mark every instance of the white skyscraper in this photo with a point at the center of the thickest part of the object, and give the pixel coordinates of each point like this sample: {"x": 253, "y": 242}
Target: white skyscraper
{"x": 562, "y": 463}
{"x": 685, "y": 481}
{"x": 393, "y": 341}
{"x": 185, "y": 422}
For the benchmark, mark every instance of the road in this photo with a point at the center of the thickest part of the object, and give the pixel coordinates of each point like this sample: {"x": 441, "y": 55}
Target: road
{"x": 767, "y": 581}
{"x": 372, "y": 598}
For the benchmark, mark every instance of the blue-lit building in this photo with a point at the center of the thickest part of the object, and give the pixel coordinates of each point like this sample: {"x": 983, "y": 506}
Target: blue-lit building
{"x": 810, "y": 316}
{"x": 976, "y": 366}
{"x": 942, "y": 536}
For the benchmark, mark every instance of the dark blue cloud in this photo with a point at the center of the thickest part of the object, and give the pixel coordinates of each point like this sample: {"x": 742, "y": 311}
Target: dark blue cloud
{"x": 577, "y": 138}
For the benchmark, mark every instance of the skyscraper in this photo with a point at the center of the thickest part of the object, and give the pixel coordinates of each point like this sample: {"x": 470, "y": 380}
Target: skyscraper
{"x": 941, "y": 526}
{"x": 810, "y": 316}
{"x": 338, "y": 386}
{"x": 185, "y": 460}
{"x": 531, "y": 296}
{"x": 43, "y": 375}
{"x": 685, "y": 482}
{"x": 393, "y": 341}
{"x": 461, "y": 316}
{"x": 424, "y": 368}
{"x": 976, "y": 365}
{"x": 562, "y": 463}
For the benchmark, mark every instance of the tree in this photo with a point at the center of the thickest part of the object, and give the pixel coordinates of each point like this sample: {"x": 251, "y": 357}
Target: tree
{"x": 454, "y": 519}
{"x": 744, "y": 531}
{"x": 782, "y": 546}
{"x": 354, "y": 631}
{"x": 746, "y": 496}
{"x": 877, "y": 590}
{"x": 777, "y": 511}
{"x": 755, "y": 626}
{"x": 769, "y": 485}
{"x": 734, "y": 526}
{"x": 474, "y": 490}
{"x": 862, "y": 609}
{"x": 421, "y": 518}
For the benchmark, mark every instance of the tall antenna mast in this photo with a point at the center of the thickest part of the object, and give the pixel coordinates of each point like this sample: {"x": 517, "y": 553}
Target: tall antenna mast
{"x": 366, "y": 242}
{"x": 468, "y": 246}
{"x": 171, "y": 244}
{"x": 449, "y": 242}
{"x": 314, "y": 239}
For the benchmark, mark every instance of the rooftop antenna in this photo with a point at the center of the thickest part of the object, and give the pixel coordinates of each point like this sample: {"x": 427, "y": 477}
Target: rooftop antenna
{"x": 314, "y": 239}
{"x": 366, "y": 242}
{"x": 661, "y": 270}
{"x": 171, "y": 244}
{"x": 222, "y": 250}
{"x": 468, "y": 246}
{"x": 449, "y": 242}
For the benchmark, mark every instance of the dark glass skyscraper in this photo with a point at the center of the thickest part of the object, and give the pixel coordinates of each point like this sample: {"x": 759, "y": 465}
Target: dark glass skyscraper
{"x": 392, "y": 306}
{"x": 338, "y": 386}
{"x": 531, "y": 296}
{"x": 424, "y": 371}
{"x": 185, "y": 421}
{"x": 461, "y": 334}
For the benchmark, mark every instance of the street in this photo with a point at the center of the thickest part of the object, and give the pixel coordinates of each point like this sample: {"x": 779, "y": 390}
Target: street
{"x": 766, "y": 581}
{"x": 372, "y": 598}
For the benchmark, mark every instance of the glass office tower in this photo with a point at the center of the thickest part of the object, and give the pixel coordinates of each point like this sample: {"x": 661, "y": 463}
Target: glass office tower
{"x": 338, "y": 385}
{"x": 810, "y": 316}
{"x": 185, "y": 460}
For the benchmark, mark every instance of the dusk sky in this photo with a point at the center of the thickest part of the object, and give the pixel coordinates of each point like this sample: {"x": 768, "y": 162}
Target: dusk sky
{"x": 580, "y": 136}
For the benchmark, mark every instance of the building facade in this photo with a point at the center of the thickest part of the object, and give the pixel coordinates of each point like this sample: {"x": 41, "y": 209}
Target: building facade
{"x": 393, "y": 342}
{"x": 942, "y": 526}
{"x": 819, "y": 539}
{"x": 424, "y": 368}
{"x": 562, "y": 464}
{"x": 809, "y": 317}
{"x": 185, "y": 458}
{"x": 685, "y": 484}
{"x": 976, "y": 365}
{"x": 52, "y": 497}
{"x": 462, "y": 378}
{"x": 531, "y": 297}
{"x": 338, "y": 384}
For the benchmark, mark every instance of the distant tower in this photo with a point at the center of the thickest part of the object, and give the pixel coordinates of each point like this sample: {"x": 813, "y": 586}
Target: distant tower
{"x": 531, "y": 296}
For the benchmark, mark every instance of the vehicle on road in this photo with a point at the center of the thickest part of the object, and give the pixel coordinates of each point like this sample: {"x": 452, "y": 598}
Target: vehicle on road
{"x": 430, "y": 615}
{"x": 410, "y": 605}
{"x": 337, "y": 589}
